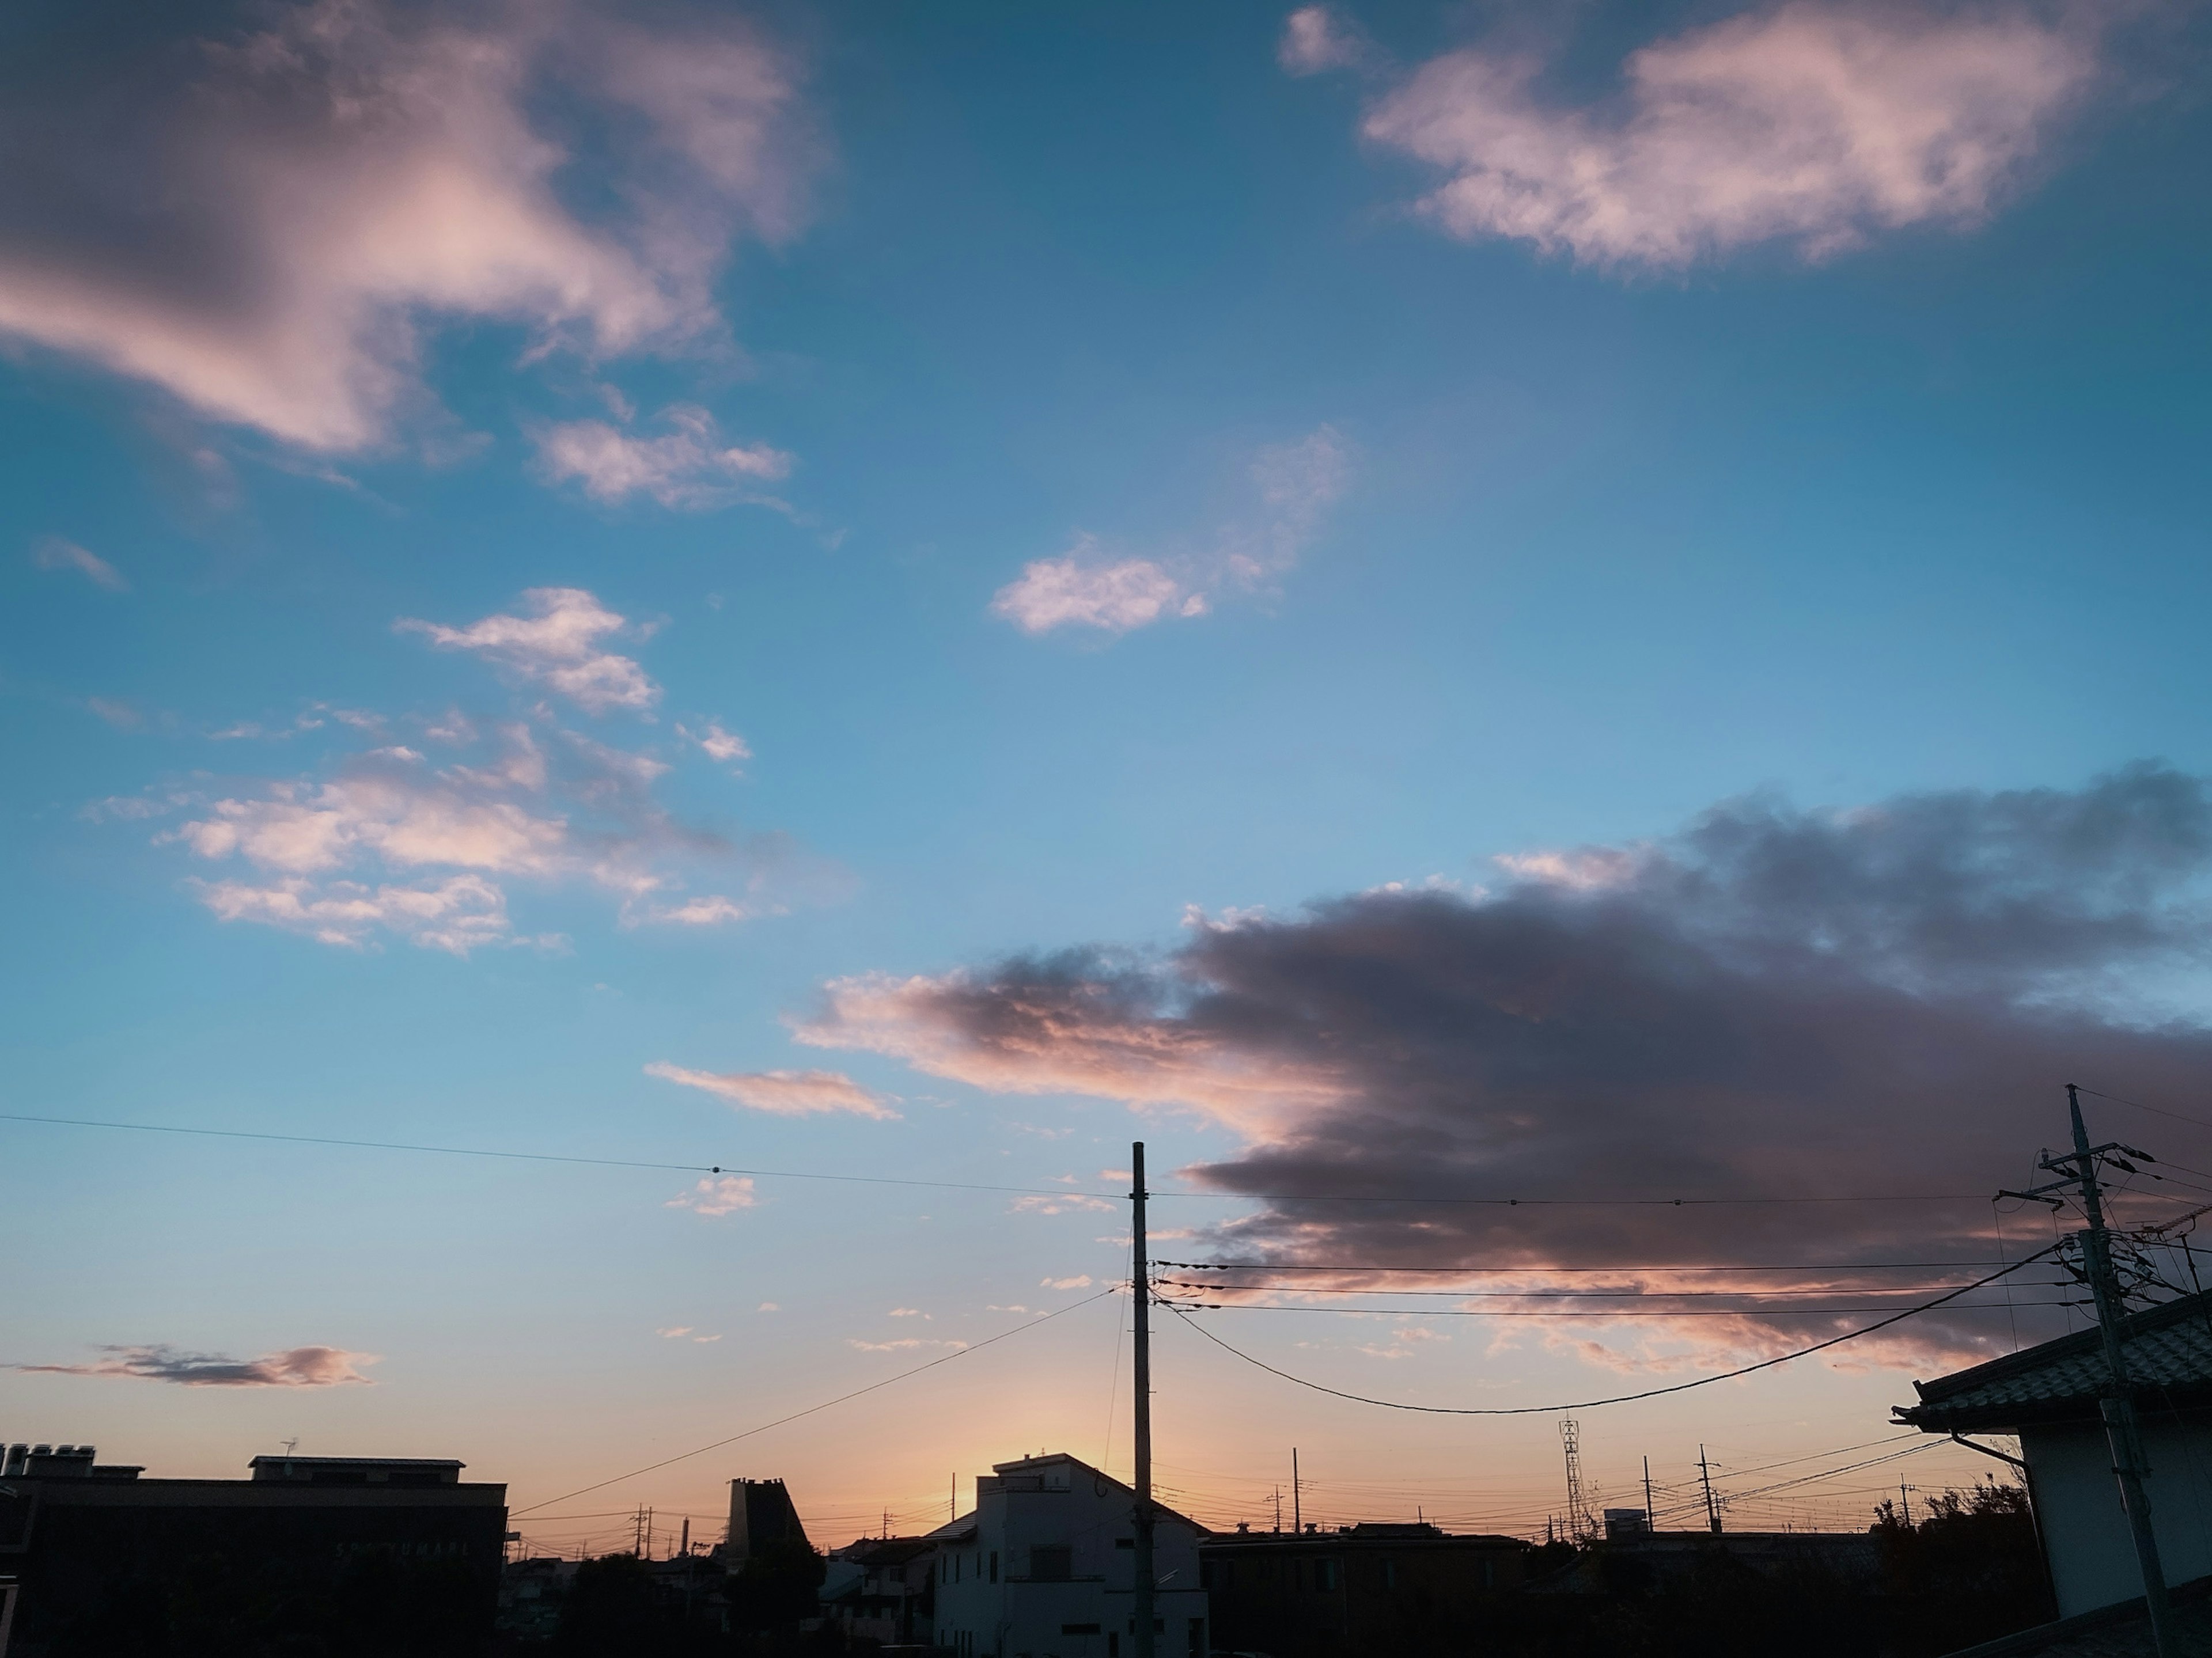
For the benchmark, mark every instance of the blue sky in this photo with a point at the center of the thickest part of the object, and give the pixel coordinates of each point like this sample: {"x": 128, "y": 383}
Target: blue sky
{"x": 809, "y": 358}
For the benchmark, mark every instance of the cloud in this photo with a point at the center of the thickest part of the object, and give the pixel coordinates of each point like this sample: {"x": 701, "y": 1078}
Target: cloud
{"x": 1290, "y": 487}
{"x": 781, "y": 1093}
{"x": 674, "y": 1331}
{"x": 269, "y": 225}
{"x": 1772, "y": 1003}
{"x": 717, "y": 1195}
{"x": 1081, "y": 1283}
{"x": 1314, "y": 40}
{"x": 717, "y": 744}
{"x": 690, "y": 467}
{"x": 1073, "y": 591}
{"x": 556, "y": 644}
{"x": 1815, "y": 125}
{"x": 459, "y": 914}
{"x": 53, "y": 553}
{"x": 390, "y": 844}
{"x": 904, "y": 1344}
{"x": 299, "y": 1367}
{"x": 908, "y": 1312}
{"x": 768, "y": 1307}
{"x": 1071, "y": 1203}
{"x": 117, "y": 712}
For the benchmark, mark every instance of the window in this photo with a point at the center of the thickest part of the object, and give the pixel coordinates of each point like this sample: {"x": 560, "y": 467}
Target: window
{"x": 1051, "y": 1563}
{"x": 1325, "y": 1577}
{"x": 1113, "y": 1645}
{"x": 1389, "y": 1574}
{"x": 1125, "y": 1542}
{"x": 1198, "y": 1637}
{"x": 1078, "y": 1629}
{"x": 994, "y": 1565}
{"x": 1490, "y": 1574}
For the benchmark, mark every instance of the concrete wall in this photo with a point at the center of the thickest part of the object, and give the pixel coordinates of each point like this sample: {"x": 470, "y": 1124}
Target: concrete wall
{"x": 2085, "y": 1529}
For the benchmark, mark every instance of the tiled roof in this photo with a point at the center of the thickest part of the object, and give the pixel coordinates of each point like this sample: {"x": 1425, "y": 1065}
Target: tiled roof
{"x": 2168, "y": 1350}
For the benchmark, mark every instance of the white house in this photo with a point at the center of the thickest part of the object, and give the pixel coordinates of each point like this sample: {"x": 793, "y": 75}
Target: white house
{"x": 1042, "y": 1569}
{"x": 2048, "y": 1396}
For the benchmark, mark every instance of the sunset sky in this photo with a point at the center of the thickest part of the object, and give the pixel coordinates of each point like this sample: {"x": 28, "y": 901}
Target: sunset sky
{"x": 1409, "y": 604}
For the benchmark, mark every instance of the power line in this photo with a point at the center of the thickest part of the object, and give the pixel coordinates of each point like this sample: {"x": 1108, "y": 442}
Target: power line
{"x": 1609, "y": 1313}
{"x": 1619, "y": 1399}
{"x": 1569, "y": 1295}
{"x": 946, "y": 1358}
{"x": 1661, "y": 1266}
{"x": 970, "y": 1185}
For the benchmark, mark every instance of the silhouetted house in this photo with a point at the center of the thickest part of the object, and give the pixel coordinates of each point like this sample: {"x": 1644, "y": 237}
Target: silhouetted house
{"x": 883, "y": 1589}
{"x": 1358, "y": 1589}
{"x": 107, "y": 1560}
{"x": 2049, "y": 1397}
{"x": 1041, "y": 1569}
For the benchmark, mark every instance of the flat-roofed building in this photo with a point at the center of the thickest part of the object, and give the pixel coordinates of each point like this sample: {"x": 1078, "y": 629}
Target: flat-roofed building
{"x": 99, "y": 1554}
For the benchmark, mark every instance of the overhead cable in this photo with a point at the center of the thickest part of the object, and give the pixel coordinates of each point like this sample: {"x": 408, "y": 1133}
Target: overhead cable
{"x": 1618, "y": 1399}
{"x": 946, "y": 1358}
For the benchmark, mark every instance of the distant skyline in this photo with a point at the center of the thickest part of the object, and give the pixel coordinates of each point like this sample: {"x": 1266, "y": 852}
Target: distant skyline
{"x": 1402, "y": 602}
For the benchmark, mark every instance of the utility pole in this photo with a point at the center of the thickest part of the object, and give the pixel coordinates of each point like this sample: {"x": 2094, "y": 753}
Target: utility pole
{"x": 1905, "y": 1502}
{"x": 1278, "y": 1510}
{"x": 1140, "y": 1284}
{"x": 1650, "y": 1513}
{"x": 1712, "y": 1509}
{"x": 2078, "y": 1169}
{"x": 1297, "y": 1509}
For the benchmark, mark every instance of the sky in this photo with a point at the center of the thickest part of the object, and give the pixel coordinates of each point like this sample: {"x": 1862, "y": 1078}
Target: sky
{"x": 1408, "y": 603}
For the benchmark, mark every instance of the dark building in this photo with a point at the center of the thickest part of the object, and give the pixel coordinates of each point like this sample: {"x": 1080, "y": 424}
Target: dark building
{"x": 883, "y": 1589}
{"x": 105, "y": 1561}
{"x": 1365, "y": 1588}
{"x": 761, "y": 1513}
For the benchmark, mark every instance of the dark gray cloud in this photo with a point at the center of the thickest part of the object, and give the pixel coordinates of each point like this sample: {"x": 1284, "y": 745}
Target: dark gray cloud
{"x": 296, "y": 1367}
{"x": 1774, "y": 1004}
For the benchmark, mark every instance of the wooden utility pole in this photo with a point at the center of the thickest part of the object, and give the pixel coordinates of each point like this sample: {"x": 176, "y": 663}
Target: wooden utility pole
{"x": 1297, "y": 1490}
{"x": 1712, "y": 1509}
{"x": 1141, "y": 1285}
{"x": 1650, "y": 1513}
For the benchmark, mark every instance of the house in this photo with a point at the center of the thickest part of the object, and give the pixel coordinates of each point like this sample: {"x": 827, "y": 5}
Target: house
{"x": 883, "y": 1589}
{"x": 301, "y": 1546}
{"x": 1634, "y": 1560}
{"x": 1363, "y": 1588}
{"x": 2049, "y": 1397}
{"x": 1041, "y": 1568}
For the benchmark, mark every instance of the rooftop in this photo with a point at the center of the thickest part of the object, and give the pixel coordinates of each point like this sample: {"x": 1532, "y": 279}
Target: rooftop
{"x": 2168, "y": 1350}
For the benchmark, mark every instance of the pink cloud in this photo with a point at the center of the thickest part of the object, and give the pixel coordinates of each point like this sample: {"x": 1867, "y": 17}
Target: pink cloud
{"x": 781, "y": 1093}
{"x": 688, "y": 466}
{"x": 306, "y": 202}
{"x": 53, "y": 553}
{"x": 556, "y": 644}
{"x": 1814, "y": 124}
{"x": 717, "y": 1195}
{"x": 1290, "y": 486}
{"x": 1315, "y": 39}
{"x": 298, "y": 1367}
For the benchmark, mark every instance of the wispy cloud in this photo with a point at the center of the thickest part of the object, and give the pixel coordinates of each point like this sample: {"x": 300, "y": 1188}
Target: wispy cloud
{"x": 688, "y": 466}
{"x": 716, "y": 742}
{"x": 298, "y": 1367}
{"x": 903, "y": 1344}
{"x": 1072, "y": 1202}
{"x": 53, "y": 553}
{"x": 723, "y": 1194}
{"x": 556, "y": 644}
{"x": 1315, "y": 39}
{"x": 1815, "y": 124}
{"x": 393, "y": 844}
{"x": 781, "y": 1093}
{"x": 116, "y": 712}
{"x": 1082, "y": 1282}
{"x": 270, "y": 232}
{"x": 1291, "y": 487}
